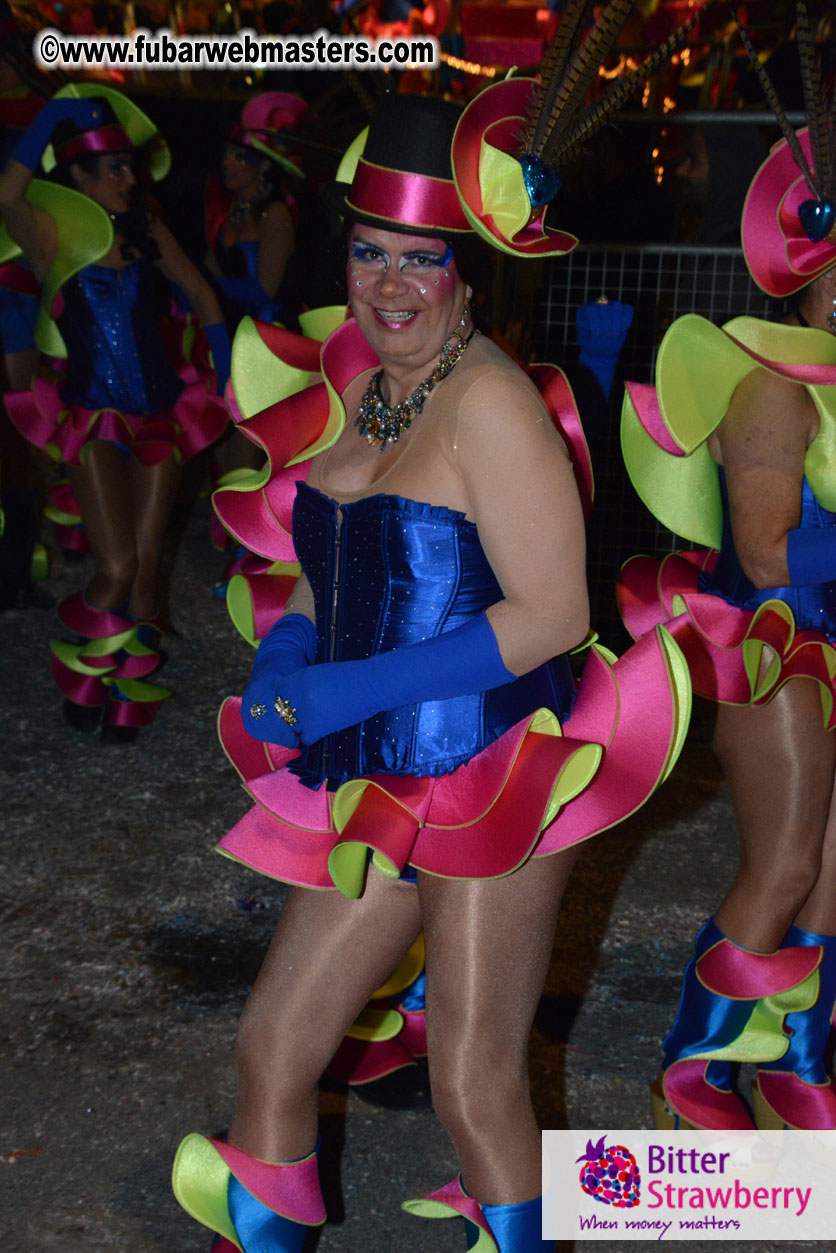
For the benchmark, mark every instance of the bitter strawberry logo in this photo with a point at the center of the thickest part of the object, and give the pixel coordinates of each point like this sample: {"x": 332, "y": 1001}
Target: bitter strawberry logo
{"x": 610, "y": 1174}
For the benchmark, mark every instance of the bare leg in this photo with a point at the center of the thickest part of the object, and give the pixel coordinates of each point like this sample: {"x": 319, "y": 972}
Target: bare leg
{"x": 102, "y": 489}
{"x": 780, "y": 764}
{"x": 819, "y": 910}
{"x": 154, "y": 495}
{"x": 20, "y": 367}
{"x": 489, "y": 943}
{"x": 126, "y": 508}
{"x": 328, "y": 956}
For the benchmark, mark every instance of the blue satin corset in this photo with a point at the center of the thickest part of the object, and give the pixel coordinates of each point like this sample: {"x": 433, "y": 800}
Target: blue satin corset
{"x": 396, "y": 572}
{"x": 115, "y": 357}
{"x": 812, "y": 606}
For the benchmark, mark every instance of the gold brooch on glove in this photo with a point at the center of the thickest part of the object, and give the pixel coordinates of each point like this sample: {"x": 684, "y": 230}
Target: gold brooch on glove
{"x": 285, "y": 711}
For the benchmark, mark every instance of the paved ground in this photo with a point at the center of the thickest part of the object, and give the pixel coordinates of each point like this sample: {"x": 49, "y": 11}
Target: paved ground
{"x": 130, "y": 945}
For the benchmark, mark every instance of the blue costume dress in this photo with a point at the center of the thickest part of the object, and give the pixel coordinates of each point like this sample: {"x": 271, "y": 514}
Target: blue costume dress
{"x": 115, "y": 356}
{"x": 467, "y": 787}
{"x": 405, "y": 572}
{"x": 119, "y": 384}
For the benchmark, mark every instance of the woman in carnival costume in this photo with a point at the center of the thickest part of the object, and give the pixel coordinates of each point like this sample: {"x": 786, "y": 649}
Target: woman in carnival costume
{"x": 120, "y": 418}
{"x": 251, "y": 236}
{"x": 249, "y": 223}
{"x": 734, "y": 448}
{"x": 412, "y": 716}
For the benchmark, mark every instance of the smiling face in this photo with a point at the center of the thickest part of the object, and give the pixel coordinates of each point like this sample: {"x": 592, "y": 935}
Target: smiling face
{"x": 406, "y": 295}
{"x": 110, "y": 183}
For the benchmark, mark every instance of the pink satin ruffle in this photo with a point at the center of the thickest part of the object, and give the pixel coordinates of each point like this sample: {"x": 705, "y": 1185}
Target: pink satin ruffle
{"x": 496, "y": 116}
{"x": 798, "y": 1104}
{"x": 735, "y": 972}
{"x": 649, "y": 413}
{"x": 18, "y": 278}
{"x": 696, "y": 1100}
{"x": 714, "y": 634}
{"x": 88, "y": 676}
{"x": 362, "y": 1061}
{"x": 780, "y": 256}
{"x": 195, "y": 421}
{"x": 556, "y": 392}
{"x": 287, "y": 1188}
{"x": 487, "y": 817}
{"x": 268, "y": 593}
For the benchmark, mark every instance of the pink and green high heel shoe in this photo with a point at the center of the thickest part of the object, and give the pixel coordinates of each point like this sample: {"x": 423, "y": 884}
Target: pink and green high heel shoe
{"x": 252, "y": 1205}
{"x": 488, "y": 1228}
{"x": 796, "y": 1091}
{"x": 732, "y": 1009}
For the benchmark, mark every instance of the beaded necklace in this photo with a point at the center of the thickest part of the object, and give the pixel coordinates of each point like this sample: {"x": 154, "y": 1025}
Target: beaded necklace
{"x": 381, "y": 425}
{"x": 242, "y": 209}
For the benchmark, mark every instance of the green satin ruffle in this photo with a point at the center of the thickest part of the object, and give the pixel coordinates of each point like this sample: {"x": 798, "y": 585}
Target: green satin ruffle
{"x": 260, "y": 378}
{"x": 699, "y": 366}
{"x": 763, "y": 1038}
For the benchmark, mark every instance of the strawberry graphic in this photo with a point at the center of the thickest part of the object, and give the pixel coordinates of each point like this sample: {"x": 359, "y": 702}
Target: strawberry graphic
{"x": 610, "y": 1174}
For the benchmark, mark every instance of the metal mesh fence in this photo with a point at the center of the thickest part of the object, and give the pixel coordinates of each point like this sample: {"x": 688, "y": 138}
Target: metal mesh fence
{"x": 661, "y": 282}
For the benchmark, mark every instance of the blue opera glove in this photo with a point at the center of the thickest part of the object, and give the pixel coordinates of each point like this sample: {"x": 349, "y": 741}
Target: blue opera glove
{"x": 86, "y": 114}
{"x": 288, "y": 646}
{"x": 329, "y": 697}
{"x": 601, "y": 331}
{"x": 244, "y": 290}
{"x": 218, "y": 337}
{"x": 811, "y": 555}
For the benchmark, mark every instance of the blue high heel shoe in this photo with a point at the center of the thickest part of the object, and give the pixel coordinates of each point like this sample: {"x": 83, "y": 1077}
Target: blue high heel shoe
{"x": 731, "y": 1009}
{"x": 796, "y": 1091}
{"x": 488, "y": 1228}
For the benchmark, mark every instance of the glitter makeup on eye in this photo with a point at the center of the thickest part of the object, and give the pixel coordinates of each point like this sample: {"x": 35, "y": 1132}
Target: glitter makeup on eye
{"x": 368, "y": 254}
{"x": 436, "y": 259}
{"x": 371, "y": 254}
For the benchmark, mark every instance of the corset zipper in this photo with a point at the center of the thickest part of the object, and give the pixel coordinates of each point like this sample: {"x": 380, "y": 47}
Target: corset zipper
{"x": 332, "y": 642}
{"x": 134, "y": 369}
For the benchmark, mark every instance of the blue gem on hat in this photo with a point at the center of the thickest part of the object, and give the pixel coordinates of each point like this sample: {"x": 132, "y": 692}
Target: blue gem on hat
{"x": 542, "y": 182}
{"x": 817, "y": 218}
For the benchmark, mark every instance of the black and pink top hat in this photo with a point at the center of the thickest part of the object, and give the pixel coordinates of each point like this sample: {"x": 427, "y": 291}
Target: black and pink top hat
{"x": 402, "y": 179}
{"x": 426, "y": 167}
